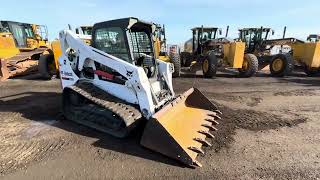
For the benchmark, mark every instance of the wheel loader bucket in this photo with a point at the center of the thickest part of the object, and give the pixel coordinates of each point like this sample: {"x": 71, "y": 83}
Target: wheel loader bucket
{"x": 180, "y": 129}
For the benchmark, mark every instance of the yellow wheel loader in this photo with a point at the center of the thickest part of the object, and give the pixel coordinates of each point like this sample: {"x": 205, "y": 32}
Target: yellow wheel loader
{"x": 161, "y": 48}
{"x": 117, "y": 82}
{"x": 20, "y": 49}
{"x": 83, "y": 32}
{"x": 208, "y": 52}
{"x": 282, "y": 55}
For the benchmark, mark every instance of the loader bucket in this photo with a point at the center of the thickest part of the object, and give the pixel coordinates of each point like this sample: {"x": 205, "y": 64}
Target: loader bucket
{"x": 180, "y": 129}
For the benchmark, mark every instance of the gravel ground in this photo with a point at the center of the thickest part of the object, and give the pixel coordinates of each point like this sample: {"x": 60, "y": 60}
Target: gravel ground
{"x": 270, "y": 130}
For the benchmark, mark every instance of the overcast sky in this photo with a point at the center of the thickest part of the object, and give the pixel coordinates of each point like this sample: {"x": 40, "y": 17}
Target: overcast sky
{"x": 179, "y": 16}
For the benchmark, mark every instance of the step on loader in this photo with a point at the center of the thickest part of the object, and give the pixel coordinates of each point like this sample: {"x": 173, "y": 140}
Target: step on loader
{"x": 117, "y": 82}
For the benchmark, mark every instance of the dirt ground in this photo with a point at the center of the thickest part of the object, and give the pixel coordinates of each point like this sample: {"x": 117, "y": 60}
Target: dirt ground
{"x": 270, "y": 130}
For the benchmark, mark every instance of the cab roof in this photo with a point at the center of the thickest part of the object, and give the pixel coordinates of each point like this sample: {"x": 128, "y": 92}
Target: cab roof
{"x": 255, "y": 29}
{"x": 124, "y": 23}
{"x": 205, "y": 28}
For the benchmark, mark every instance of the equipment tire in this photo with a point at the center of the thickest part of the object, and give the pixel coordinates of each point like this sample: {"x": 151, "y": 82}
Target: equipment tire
{"x": 281, "y": 65}
{"x": 209, "y": 66}
{"x": 175, "y": 60}
{"x": 45, "y": 61}
{"x": 186, "y": 59}
{"x": 251, "y": 66}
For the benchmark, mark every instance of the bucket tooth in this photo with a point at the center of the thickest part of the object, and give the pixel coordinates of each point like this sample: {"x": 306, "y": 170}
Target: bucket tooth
{"x": 212, "y": 128}
{"x": 203, "y": 141}
{"x": 212, "y": 121}
{"x": 197, "y": 163}
{"x": 207, "y": 133}
{"x": 215, "y": 116}
{"x": 217, "y": 111}
{"x": 197, "y": 150}
{"x": 172, "y": 131}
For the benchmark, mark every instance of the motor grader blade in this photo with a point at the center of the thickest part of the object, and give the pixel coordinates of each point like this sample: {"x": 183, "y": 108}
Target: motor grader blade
{"x": 180, "y": 129}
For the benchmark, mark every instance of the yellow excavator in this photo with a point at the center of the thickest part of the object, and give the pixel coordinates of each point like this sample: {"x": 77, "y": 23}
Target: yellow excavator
{"x": 21, "y": 46}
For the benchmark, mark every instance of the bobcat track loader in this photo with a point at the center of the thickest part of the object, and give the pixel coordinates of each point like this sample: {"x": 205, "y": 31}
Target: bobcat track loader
{"x": 116, "y": 82}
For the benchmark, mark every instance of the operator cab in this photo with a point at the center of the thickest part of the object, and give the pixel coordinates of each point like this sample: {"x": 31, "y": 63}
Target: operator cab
{"x": 20, "y": 31}
{"x": 254, "y": 36}
{"x": 129, "y": 39}
{"x": 313, "y": 38}
{"x": 84, "y": 30}
{"x": 203, "y": 34}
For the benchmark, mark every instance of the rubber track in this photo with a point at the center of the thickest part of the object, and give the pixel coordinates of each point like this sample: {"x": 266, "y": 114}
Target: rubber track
{"x": 127, "y": 112}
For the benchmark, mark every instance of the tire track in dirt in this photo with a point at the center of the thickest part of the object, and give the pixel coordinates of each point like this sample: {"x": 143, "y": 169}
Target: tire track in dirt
{"x": 15, "y": 156}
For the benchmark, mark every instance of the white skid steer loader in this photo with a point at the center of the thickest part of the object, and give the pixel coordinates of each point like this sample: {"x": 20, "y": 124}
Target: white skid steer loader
{"x": 116, "y": 82}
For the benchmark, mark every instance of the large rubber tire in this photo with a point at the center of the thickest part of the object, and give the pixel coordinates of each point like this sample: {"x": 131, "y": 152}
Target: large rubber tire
{"x": 311, "y": 72}
{"x": 209, "y": 66}
{"x": 45, "y": 62}
{"x": 186, "y": 59}
{"x": 175, "y": 60}
{"x": 252, "y": 65}
{"x": 285, "y": 69}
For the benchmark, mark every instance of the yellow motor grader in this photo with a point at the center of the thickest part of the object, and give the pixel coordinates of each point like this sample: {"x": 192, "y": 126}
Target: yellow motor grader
{"x": 208, "y": 52}
{"x": 21, "y": 46}
{"x": 283, "y": 54}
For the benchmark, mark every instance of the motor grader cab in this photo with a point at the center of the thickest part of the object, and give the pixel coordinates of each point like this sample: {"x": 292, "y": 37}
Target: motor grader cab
{"x": 115, "y": 83}
{"x": 283, "y": 54}
{"x": 254, "y": 37}
{"x": 313, "y": 38}
{"x": 207, "y": 51}
{"x": 162, "y": 50}
{"x": 20, "y": 49}
{"x": 84, "y": 32}
{"x": 41, "y": 35}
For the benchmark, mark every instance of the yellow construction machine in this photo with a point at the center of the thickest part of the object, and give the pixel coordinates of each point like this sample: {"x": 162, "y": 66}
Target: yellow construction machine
{"x": 117, "y": 81}
{"x": 283, "y": 54}
{"x": 171, "y": 56}
{"x": 208, "y": 52}
{"x": 21, "y": 46}
{"x": 83, "y": 32}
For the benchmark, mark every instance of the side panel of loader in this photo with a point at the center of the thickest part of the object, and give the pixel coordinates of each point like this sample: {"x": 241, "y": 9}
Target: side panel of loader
{"x": 7, "y": 46}
{"x": 234, "y": 53}
{"x": 307, "y": 53}
{"x": 57, "y": 52}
